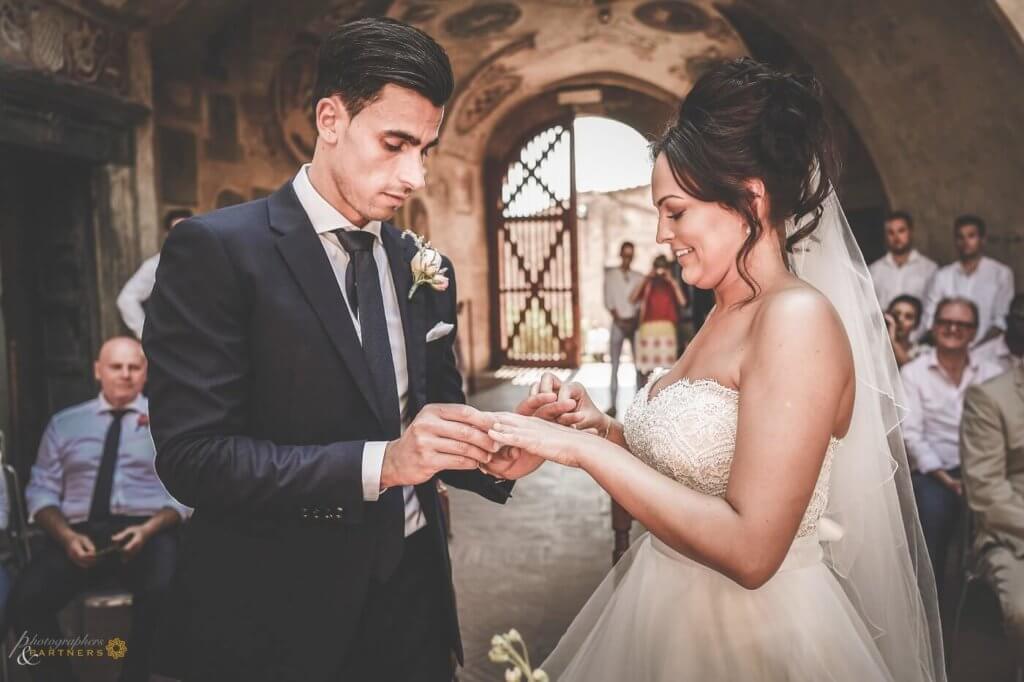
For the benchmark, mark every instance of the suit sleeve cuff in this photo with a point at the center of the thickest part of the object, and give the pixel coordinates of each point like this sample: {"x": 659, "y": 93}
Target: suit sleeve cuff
{"x": 373, "y": 462}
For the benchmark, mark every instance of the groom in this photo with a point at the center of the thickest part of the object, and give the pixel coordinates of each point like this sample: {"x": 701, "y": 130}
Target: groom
{"x": 305, "y": 405}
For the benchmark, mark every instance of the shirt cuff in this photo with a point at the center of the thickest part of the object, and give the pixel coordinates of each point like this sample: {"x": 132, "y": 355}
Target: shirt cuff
{"x": 373, "y": 462}
{"x": 38, "y": 502}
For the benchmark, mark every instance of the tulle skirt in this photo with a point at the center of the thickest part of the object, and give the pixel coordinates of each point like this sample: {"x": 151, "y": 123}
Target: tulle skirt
{"x": 661, "y": 617}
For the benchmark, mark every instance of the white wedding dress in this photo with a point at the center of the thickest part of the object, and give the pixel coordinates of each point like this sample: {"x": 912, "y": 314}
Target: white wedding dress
{"x": 662, "y": 617}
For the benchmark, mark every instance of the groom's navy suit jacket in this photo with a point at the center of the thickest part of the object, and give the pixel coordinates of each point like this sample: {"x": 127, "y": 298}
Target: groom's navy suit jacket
{"x": 261, "y": 401}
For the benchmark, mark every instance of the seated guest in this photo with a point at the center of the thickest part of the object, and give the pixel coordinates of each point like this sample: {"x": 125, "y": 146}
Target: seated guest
{"x": 1006, "y": 351}
{"x": 94, "y": 490}
{"x": 992, "y": 449}
{"x": 903, "y": 269}
{"x": 934, "y": 386}
{"x": 974, "y": 276}
{"x": 902, "y": 318}
{"x": 136, "y": 291}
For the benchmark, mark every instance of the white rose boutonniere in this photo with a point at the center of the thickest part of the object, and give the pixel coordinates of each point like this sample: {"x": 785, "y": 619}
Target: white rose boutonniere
{"x": 426, "y": 265}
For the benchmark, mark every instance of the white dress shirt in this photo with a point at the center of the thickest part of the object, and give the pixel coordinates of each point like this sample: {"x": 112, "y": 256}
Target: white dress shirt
{"x": 70, "y": 451}
{"x": 326, "y": 218}
{"x": 997, "y": 352}
{"x": 934, "y": 408}
{"x": 990, "y": 286}
{"x": 618, "y": 287}
{"x": 892, "y": 280}
{"x": 137, "y": 291}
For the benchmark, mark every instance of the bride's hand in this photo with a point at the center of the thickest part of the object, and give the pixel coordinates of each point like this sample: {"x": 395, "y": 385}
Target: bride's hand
{"x": 539, "y": 438}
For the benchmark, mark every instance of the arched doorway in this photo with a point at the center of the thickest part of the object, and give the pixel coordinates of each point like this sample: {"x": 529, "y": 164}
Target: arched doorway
{"x": 534, "y": 252}
{"x": 533, "y": 220}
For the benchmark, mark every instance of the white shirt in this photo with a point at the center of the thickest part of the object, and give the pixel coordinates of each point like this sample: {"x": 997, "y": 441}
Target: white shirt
{"x": 325, "y": 218}
{"x": 990, "y": 286}
{"x": 135, "y": 292}
{"x": 892, "y": 280}
{"x": 997, "y": 352}
{"x": 934, "y": 408}
{"x": 618, "y": 287}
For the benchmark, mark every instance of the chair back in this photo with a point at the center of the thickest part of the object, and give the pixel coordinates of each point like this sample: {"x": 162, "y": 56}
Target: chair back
{"x": 17, "y": 516}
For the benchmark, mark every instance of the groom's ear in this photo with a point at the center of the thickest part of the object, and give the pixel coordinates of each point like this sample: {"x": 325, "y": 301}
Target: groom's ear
{"x": 331, "y": 118}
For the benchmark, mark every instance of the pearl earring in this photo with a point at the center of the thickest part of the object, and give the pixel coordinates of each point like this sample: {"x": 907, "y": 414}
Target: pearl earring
{"x": 748, "y": 230}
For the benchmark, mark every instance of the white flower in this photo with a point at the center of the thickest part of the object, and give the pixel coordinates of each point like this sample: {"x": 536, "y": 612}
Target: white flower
{"x": 513, "y": 675}
{"x": 514, "y": 636}
{"x": 426, "y": 266}
{"x": 426, "y": 263}
{"x": 540, "y": 676}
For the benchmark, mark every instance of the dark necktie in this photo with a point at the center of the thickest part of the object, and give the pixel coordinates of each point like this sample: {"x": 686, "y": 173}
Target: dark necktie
{"x": 99, "y": 510}
{"x": 362, "y": 286}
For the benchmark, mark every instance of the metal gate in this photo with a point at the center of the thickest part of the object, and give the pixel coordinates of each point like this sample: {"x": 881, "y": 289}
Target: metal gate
{"x": 534, "y": 251}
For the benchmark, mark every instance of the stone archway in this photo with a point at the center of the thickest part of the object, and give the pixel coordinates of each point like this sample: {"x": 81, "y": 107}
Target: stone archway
{"x": 641, "y": 107}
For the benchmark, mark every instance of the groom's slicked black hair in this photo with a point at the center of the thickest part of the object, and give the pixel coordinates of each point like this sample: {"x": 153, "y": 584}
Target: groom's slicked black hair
{"x": 358, "y": 58}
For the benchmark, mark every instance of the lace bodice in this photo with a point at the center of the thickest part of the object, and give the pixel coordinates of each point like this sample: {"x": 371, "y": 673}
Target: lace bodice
{"x": 688, "y": 432}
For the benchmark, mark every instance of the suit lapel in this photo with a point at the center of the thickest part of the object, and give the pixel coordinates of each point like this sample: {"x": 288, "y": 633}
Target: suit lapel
{"x": 302, "y": 250}
{"x": 400, "y": 253}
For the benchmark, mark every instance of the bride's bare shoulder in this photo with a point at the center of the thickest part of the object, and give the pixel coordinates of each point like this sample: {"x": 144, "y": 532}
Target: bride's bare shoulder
{"x": 800, "y": 315}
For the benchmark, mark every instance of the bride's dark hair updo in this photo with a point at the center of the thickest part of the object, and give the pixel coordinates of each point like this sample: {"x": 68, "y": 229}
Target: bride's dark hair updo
{"x": 744, "y": 120}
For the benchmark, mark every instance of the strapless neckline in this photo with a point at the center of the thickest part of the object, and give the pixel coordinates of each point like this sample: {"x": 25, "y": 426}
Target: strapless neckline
{"x": 714, "y": 384}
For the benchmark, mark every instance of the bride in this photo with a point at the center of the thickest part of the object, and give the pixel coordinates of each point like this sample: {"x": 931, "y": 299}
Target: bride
{"x": 767, "y": 463}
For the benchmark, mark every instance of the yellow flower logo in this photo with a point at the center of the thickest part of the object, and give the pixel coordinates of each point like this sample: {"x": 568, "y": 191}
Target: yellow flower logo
{"x": 116, "y": 648}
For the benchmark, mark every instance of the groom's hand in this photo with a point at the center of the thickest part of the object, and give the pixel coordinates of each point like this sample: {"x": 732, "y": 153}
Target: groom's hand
{"x": 441, "y": 437}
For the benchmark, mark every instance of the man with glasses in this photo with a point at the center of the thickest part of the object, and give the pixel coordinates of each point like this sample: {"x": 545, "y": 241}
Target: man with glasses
{"x": 934, "y": 385}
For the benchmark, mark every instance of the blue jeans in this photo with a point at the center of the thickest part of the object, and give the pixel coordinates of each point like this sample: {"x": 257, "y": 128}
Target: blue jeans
{"x": 939, "y": 509}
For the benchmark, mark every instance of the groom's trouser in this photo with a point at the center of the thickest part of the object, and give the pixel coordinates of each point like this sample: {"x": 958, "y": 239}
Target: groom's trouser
{"x": 402, "y": 635}
{"x": 50, "y": 581}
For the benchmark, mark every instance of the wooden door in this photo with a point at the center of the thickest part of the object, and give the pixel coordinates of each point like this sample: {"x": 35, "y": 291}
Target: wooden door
{"x": 532, "y": 226}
